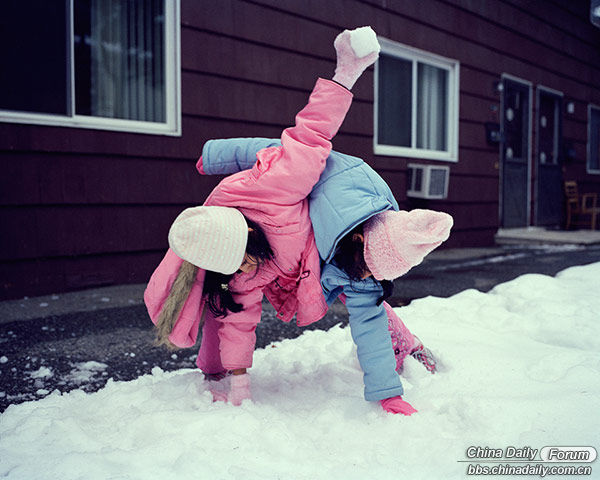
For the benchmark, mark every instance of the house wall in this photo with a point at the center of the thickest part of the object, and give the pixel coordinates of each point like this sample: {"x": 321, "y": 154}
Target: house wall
{"x": 82, "y": 208}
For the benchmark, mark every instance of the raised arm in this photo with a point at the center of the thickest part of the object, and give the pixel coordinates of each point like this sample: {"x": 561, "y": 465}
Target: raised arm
{"x": 286, "y": 174}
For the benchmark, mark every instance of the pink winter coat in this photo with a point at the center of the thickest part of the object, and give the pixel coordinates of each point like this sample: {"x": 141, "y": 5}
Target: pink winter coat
{"x": 273, "y": 194}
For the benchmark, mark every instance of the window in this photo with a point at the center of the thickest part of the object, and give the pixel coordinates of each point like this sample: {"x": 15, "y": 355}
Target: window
{"x": 416, "y": 103}
{"x": 593, "y": 162}
{"x": 107, "y": 64}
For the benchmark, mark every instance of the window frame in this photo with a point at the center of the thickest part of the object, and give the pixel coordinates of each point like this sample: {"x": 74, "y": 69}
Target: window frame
{"x": 415, "y": 55}
{"x": 172, "y": 124}
{"x": 592, "y": 171}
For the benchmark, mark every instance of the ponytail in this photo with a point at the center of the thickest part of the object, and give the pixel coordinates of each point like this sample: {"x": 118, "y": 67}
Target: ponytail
{"x": 173, "y": 305}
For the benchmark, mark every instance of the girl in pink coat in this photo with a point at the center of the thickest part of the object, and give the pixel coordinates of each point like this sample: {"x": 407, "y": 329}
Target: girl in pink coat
{"x": 252, "y": 238}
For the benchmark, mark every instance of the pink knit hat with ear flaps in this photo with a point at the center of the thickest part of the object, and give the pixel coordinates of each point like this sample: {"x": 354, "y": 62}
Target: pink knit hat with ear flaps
{"x": 397, "y": 241}
{"x": 212, "y": 238}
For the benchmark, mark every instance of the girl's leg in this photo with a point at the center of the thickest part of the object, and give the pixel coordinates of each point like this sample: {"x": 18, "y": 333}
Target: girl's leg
{"x": 405, "y": 343}
{"x": 209, "y": 356}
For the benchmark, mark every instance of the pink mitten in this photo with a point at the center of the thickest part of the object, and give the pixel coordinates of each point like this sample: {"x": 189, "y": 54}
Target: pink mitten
{"x": 240, "y": 389}
{"x": 397, "y": 405}
{"x": 356, "y": 50}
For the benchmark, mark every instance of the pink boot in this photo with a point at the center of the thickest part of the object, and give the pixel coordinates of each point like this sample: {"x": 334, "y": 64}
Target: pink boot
{"x": 230, "y": 388}
{"x": 240, "y": 389}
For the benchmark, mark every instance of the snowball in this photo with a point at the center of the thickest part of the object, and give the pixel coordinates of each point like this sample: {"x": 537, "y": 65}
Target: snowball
{"x": 364, "y": 41}
{"x": 3, "y": 359}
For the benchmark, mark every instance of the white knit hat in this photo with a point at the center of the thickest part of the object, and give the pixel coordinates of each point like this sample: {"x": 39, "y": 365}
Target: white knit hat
{"x": 212, "y": 238}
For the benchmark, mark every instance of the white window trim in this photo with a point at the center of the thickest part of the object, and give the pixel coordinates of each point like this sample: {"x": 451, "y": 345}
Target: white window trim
{"x": 405, "y": 52}
{"x": 591, "y": 171}
{"x": 172, "y": 125}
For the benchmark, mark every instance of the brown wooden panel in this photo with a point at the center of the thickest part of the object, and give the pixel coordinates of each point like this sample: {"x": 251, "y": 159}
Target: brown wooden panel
{"x": 478, "y": 110}
{"x": 475, "y": 215}
{"x": 445, "y": 41}
{"x": 555, "y": 14}
{"x": 55, "y": 231}
{"x": 575, "y": 131}
{"x": 479, "y": 83}
{"x": 495, "y": 36}
{"x": 57, "y": 275}
{"x": 441, "y": 26}
{"x": 21, "y": 137}
{"x": 259, "y": 24}
{"x": 259, "y": 103}
{"x": 524, "y": 20}
{"x": 19, "y": 181}
{"x": 20, "y": 233}
{"x": 579, "y": 116}
{"x": 475, "y": 237}
{"x": 472, "y": 135}
{"x": 212, "y": 53}
{"x": 79, "y": 180}
{"x": 470, "y": 189}
{"x": 478, "y": 163}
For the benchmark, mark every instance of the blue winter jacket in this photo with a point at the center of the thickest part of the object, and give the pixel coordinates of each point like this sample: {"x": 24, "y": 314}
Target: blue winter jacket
{"x": 348, "y": 193}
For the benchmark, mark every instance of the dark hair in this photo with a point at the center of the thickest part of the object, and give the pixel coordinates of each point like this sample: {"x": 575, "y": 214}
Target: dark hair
{"x": 350, "y": 257}
{"x": 220, "y": 300}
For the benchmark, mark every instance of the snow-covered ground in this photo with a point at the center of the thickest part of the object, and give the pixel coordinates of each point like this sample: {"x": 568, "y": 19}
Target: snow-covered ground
{"x": 521, "y": 367}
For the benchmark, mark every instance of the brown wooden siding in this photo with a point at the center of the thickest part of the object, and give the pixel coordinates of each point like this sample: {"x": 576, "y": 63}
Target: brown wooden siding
{"x": 81, "y": 207}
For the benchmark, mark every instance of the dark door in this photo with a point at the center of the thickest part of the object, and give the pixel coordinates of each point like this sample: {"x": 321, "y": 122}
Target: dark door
{"x": 515, "y": 154}
{"x": 548, "y": 182}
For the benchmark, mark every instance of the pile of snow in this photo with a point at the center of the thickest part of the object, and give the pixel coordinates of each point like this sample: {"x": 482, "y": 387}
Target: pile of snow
{"x": 520, "y": 368}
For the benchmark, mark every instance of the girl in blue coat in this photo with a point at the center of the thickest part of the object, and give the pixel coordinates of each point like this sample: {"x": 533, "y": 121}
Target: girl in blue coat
{"x": 364, "y": 242}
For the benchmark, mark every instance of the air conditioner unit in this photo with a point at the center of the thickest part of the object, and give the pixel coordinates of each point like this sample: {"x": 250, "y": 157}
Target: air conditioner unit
{"x": 427, "y": 181}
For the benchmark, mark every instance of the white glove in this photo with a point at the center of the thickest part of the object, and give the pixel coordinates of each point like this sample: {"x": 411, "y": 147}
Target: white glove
{"x": 356, "y": 50}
